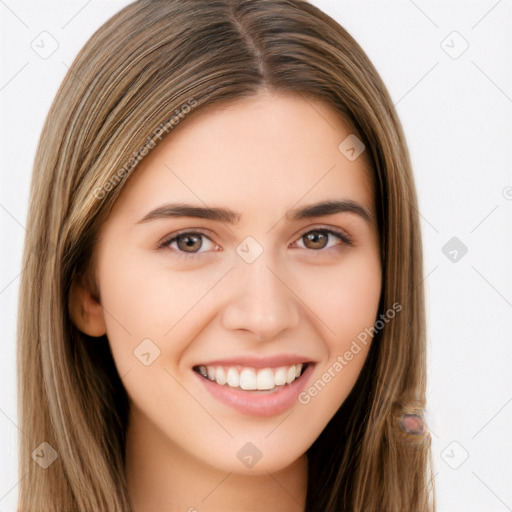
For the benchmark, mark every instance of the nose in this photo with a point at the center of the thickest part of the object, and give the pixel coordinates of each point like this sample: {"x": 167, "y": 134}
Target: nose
{"x": 261, "y": 301}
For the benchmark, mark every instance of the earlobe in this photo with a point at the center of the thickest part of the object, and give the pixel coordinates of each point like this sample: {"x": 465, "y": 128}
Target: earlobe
{"x": 84, "y": 309}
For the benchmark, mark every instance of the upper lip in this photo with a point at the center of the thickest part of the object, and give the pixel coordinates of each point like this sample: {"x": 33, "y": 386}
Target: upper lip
{"x": 260, "y": 362}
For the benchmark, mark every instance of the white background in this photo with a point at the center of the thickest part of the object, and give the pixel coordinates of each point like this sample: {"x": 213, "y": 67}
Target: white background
{"x": 457, "y": 114}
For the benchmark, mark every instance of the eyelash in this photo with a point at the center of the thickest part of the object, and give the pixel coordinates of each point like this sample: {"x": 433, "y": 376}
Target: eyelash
{"x": 165, "y": 243}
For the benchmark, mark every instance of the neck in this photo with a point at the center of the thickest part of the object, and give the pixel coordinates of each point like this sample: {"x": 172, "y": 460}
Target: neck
{"x": 161, "y": 476}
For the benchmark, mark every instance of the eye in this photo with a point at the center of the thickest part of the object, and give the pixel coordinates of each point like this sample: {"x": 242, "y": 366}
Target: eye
{"x": 318, "y": 239}
{"x": 188, "y": 243}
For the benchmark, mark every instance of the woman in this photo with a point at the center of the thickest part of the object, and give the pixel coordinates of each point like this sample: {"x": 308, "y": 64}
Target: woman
{"x": 226, "y": 296}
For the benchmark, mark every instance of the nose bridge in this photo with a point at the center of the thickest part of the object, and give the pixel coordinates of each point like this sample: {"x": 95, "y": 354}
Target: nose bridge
{"x": 260, "y": 301}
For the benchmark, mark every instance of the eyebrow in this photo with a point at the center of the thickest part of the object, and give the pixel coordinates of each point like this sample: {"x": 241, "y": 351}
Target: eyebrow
{"x": 232, "y": 217}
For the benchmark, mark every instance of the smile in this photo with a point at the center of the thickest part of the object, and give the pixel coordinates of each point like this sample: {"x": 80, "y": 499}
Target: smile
{"x": 256, "y": 388}
{"x": 250, "y": 379}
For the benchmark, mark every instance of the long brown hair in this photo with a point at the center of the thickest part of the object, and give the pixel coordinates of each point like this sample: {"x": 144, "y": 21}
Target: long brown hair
{"x": 134, "y": 74}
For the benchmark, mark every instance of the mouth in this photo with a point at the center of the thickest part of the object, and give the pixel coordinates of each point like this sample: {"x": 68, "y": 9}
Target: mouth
{"x": 255, "y": 390}
{"x": 252, "y": 379}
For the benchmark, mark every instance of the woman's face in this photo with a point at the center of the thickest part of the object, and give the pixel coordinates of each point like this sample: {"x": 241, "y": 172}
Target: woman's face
{"x": 244, "y": 248}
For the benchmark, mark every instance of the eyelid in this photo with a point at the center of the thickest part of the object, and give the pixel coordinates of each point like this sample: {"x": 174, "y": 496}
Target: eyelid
{"x": 164, "y": 242}
{"x": 337, "y": 232}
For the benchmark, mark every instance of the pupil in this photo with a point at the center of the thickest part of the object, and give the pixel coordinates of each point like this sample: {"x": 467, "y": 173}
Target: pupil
{"x": 317, "y": 237}
{"x": 189, "y": 243}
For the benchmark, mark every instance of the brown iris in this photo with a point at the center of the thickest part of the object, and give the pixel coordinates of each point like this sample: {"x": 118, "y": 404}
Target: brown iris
{"x": 316, "y": 239}
{"x": 189, "y": 242}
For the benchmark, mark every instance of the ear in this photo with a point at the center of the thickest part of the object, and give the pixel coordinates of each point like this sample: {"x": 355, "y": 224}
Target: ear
{"x": 84, "y": 307}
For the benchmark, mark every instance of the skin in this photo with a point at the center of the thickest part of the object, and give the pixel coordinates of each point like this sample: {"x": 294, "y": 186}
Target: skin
{"x": 259, "y": 156}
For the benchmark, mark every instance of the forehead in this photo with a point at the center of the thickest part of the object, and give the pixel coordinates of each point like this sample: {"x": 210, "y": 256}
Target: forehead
{"x": 271, "y": 149}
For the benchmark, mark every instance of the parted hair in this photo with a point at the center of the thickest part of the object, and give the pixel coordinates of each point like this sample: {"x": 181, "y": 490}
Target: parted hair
{"x": 132, "y": 75}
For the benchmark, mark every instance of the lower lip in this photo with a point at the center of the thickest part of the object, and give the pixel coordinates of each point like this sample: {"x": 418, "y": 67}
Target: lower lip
{"x": 259, "y": 403}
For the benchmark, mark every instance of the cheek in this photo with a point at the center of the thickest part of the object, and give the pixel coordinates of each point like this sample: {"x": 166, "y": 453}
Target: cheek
{"x": 344, "y": 298}
{"x": 144, "y": 301}
{"x": 347, "y": 306}
{"x": 357, "y": 300}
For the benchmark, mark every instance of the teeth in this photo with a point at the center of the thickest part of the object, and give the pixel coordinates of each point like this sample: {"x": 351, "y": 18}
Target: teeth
{"x": 265, "y": 379}
{"x": 250, "y": 379}
{"x": 280, "y": 376}
{"x": 220, "y": 376}
{"x": 290, "y": 375}
{"x": 233, "y": 378}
